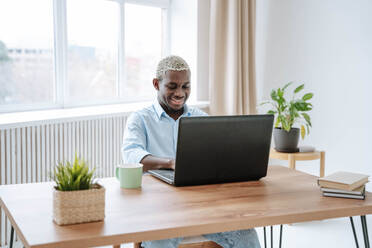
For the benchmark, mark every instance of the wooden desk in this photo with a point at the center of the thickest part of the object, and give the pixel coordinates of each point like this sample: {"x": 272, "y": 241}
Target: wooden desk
{"x": 159, "y": 211}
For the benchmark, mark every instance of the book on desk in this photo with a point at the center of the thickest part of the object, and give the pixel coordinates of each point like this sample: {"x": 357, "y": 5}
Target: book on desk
{"x": 358, "y": 193}
{"x": 344, "y": 184}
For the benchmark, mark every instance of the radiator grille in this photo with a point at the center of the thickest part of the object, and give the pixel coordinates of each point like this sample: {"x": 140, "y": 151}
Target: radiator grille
{"x": 29, "y": 153}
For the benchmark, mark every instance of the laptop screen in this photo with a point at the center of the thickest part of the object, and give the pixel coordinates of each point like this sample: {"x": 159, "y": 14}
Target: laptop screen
{"x": 217, "y": 149}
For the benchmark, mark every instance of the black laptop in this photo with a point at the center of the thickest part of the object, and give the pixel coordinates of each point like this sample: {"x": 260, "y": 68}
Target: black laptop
{"x": 220, "y": 149}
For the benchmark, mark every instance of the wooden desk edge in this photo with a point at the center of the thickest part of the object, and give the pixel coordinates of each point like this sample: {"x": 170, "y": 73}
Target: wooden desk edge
{"x": 206, "y": 229}
{"x": 13, "y": 223}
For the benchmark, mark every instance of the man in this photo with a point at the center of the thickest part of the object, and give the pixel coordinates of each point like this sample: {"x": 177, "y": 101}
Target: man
{"x": 150, "y": 138}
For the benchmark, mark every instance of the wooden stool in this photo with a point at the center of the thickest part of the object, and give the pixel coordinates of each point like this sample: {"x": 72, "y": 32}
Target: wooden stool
{"x": 300, "y": 156}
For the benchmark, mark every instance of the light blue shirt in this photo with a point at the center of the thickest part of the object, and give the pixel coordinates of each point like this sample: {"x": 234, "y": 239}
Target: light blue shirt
{"x": 152, "y": 131}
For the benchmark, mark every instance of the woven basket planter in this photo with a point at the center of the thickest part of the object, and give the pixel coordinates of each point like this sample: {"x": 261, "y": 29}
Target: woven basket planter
{"x": 72, "y": 207}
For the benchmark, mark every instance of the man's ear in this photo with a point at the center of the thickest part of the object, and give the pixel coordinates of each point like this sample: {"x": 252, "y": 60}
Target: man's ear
{"x": 155, "y": 83}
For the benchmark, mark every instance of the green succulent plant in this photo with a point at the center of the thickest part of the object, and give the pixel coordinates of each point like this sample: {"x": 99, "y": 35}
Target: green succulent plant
{"x": 76, "y": 175}
{"x": 289, "y": 112}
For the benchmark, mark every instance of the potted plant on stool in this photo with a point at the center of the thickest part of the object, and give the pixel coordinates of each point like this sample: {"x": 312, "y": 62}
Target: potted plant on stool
{"x": 288, "y": 113}
{"x": 76, "y": 198}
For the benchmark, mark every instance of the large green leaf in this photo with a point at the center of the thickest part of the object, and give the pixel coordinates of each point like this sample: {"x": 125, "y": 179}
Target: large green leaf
{"x": 273, "y": 95}
{"x": 286, "y": 86}
{"x": 299, "y": 88}
{"x": 280, "y": 93}
{"x": 293, "y": 112}
{"x": 300, "y": 105}
{"x": 307, "y": 96}
{"x": 307, "y": 118}
{"x": 284, "y": 123}
{"x": 308, "y": 107}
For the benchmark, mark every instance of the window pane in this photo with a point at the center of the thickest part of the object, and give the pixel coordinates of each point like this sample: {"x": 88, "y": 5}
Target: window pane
{"x": 143, "y": 40}
{"x": 26, "y": 51}
{"x": 92, "y": 31}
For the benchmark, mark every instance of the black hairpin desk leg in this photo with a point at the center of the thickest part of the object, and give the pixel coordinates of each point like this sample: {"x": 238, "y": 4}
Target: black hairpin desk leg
{"x": 365, "y": 231}
{"x": 355, "y": 236}
{"x": 271, "y": 236}
{"x": 11, "y": 238}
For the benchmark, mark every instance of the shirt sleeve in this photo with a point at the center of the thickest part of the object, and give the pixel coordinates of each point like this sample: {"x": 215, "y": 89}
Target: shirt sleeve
{"x": 134, "y": 140}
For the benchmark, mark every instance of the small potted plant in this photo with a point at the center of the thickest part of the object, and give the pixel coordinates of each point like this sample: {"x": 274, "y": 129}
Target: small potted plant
{"x": 290, "y": 113}
{"x": 76, "y": 197}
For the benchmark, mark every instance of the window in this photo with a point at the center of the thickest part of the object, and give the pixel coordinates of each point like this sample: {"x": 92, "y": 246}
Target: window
{"x": 142, "y": 50}
{"x": 92, "y": 50}
{"x": 26, "y": 52}
{"x": 79, "y": 52}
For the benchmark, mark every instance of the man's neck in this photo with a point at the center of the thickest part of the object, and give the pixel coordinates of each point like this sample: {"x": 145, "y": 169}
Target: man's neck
{"x": 174, "y": 114}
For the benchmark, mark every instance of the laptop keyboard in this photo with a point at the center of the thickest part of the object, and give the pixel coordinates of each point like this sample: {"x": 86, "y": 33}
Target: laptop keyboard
{"x": 166, "y": 173}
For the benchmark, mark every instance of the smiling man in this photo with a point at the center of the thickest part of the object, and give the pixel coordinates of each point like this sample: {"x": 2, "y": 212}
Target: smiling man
{"x": 151, "y": 133}
{"x": 150, "y": 138}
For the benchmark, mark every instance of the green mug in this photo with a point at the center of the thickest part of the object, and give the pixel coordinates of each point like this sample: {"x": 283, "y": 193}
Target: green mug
{"x": 129, "y": 175}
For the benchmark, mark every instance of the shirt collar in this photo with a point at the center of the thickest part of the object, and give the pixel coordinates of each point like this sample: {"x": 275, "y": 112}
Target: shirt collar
{"x": 160, "y": 111}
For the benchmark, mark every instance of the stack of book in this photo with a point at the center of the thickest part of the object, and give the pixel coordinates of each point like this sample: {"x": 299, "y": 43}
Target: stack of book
{"x": 344, "y": 184}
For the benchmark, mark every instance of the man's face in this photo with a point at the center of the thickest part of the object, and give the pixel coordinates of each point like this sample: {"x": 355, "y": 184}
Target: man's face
{"x": 173, "y": 90}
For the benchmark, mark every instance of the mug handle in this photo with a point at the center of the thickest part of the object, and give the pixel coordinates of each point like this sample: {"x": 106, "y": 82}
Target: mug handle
{"x": 117, "y": 173}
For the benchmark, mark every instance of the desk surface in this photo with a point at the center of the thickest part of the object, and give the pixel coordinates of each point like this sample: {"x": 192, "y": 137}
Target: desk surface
{"x": 158, "y": 210}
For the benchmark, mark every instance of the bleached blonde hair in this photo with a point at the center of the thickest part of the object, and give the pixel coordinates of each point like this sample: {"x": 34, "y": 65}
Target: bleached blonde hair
{"x": 171, "y": 63}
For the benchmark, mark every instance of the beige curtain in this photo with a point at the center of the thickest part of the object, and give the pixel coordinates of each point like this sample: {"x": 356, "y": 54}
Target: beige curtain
{"x": 232, "y": 57}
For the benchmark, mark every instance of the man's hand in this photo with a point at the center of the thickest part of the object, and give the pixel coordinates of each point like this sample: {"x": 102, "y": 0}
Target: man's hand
{"x": 152, "y": 163}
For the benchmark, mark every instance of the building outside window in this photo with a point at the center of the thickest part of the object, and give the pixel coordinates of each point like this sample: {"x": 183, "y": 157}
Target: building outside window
{"x": 66, "y": 53}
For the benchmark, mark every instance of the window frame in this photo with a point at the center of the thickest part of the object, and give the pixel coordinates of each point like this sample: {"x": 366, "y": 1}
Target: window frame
{"x": 60, "y": 59}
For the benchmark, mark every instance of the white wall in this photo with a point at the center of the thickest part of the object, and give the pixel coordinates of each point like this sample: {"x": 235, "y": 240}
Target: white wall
{"x": 327, "y": 45}
{"x": 184, "y": 36}
{"x": 203, "y": 50}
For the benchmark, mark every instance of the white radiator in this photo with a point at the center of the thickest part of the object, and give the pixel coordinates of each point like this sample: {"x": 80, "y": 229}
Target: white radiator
{"x": 29, "y": 152}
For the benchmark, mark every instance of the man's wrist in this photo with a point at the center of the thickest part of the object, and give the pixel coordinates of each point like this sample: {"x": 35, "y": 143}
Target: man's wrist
{"x": 171, "y": 164}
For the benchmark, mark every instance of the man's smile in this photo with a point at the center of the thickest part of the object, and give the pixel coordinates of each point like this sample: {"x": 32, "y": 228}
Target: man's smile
{"x": 177, "y": 101}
